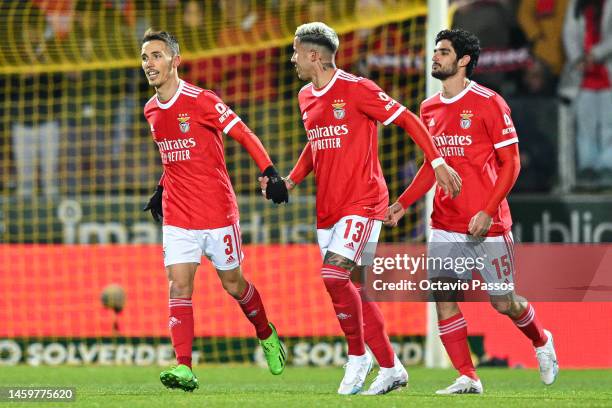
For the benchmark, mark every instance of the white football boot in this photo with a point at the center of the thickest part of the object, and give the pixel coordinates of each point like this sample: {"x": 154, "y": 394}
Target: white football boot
{"x": 355, "y": 373}
{"x": 462, "y": 385}
{"x": 547, "y": 360}
{"x": 389, "y": 379}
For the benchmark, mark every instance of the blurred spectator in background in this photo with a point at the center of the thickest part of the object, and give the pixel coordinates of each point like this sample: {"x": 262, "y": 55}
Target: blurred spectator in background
{"x": 59, "y": 15}
{"x": 87, "y": 38}
{"x": 241, "y": 77}
{"x": 193, "y": 24}
{"x": 538, "y": 79}
{"x": 35, "y": 108}
{"x": 587, "y": 80}
{"x": 244, "y": 23}
{"x": 542, "y": 23}
{"x": 493, "y": 22}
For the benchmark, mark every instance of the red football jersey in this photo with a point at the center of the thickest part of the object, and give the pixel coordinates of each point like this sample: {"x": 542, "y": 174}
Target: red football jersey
{"x": 187, "y": 129}
{"x": 467, "y": 130}
{"x": 341, "y": 124}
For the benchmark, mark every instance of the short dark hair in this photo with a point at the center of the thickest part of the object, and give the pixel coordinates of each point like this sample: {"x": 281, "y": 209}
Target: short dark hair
{"x": 166, "y": 37}
{"x": 464, "y": 43}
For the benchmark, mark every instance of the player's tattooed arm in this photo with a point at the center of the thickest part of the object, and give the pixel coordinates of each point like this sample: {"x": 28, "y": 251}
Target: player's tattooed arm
{"x": 332, "y": 258}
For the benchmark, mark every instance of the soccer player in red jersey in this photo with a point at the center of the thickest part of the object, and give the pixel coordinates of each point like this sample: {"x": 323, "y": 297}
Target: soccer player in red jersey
{"x": 473, "y": 130}
{"x": 340, "y": 113}
{"x": 197, "y": 202}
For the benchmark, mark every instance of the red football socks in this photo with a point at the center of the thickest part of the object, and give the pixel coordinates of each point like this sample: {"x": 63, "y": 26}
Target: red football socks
{"x": 252, "y": 306}
{"x": 453, "y": 333}
{"x": 181, "y": 329}
{"x": 531, "y": 327}
{"x": 347, "y": 304}
{"x": 374, "y": 332}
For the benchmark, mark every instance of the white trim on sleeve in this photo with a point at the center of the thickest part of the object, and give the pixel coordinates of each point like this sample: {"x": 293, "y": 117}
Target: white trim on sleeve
{"x": 231, "y": 125}
{"x": 395, "y": 115}
{"x": 506, "y": 143}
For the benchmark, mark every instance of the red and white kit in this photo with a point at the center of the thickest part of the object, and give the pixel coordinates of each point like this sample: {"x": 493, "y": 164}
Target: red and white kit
{"x": 341, "y": 124}
{"x": 199, "y": 204}
{"x": 468, "y": 129}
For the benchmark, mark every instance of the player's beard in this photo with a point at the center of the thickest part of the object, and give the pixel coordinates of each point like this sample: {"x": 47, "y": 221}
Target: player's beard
{"x": 443, "y": 74}
{"x": 162, "y": 77}
{"x": 301, "y": 73}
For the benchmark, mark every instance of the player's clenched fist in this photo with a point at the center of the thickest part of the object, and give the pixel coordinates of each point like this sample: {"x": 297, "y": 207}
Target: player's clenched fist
{"x": 273, "y": 186}
{"x": 448, "y": 179}
{"x": 155, "y": 204}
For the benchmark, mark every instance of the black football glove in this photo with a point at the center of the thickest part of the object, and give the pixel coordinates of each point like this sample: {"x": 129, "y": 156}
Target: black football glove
{"x": 155, "y": 204}
{"x": 276, "y": 189}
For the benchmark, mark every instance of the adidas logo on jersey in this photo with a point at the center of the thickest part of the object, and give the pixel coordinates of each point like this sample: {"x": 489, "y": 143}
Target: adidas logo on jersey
{"x": 343, "y": 316}
{"x": 431, "y": 123}
{"x": 350, "y": 246}
{"x": 253, "y": 313}
{"x": 305, "y": 116}
{"x": 230, "y": 259}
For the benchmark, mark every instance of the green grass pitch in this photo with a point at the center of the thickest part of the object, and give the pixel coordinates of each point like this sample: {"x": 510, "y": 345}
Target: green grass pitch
{"x": 247, "y": 386}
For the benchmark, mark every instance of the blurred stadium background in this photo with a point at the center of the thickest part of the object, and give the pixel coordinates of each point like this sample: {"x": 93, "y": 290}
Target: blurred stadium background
{"x": 77, "y": 164}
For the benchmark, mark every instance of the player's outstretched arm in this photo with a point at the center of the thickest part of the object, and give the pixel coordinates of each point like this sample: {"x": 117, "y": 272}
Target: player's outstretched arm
{"x": 421, "y": 184}
{"x": 448, "y": 179}
{"x": 302, "y": 168}
{"x": 276, "y": 190}
{"x": 506, "y": 177}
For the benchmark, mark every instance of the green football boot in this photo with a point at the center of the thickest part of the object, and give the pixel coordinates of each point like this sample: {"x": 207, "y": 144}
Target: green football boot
{"x": 274, "y": 351}
{"x": 181, "y": 377}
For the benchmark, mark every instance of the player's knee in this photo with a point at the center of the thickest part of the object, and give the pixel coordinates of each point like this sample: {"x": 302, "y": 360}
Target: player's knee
{"x": 502, "y": 306}
{"x": 446, "y": 310}
{"x": 180, "y": 289}
{"x": 234, "y": 286}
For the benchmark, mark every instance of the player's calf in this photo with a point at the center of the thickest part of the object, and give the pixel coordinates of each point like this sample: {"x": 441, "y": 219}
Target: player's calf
{"x": 510, "y": 305}
{"x": 233, "y": 285}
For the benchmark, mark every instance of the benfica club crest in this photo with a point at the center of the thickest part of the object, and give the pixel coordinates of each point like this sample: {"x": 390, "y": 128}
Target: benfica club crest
{"x": 339, "y": 111}
{"x": 466, "y": 119}
{"x": 183, "y": 122}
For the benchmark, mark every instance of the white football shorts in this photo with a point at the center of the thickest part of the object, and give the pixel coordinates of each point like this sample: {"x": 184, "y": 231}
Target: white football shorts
{"x": 350, "y": 237}
{"x": 491, "y": 257}
{"x": 222, "y": 246}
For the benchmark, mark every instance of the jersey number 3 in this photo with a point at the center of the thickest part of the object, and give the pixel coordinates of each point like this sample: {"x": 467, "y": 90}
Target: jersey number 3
{"x": 228, "y": 242}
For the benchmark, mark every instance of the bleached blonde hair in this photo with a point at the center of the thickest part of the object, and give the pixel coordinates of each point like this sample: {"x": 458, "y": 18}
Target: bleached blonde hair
{"x": 320, "y": 34}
